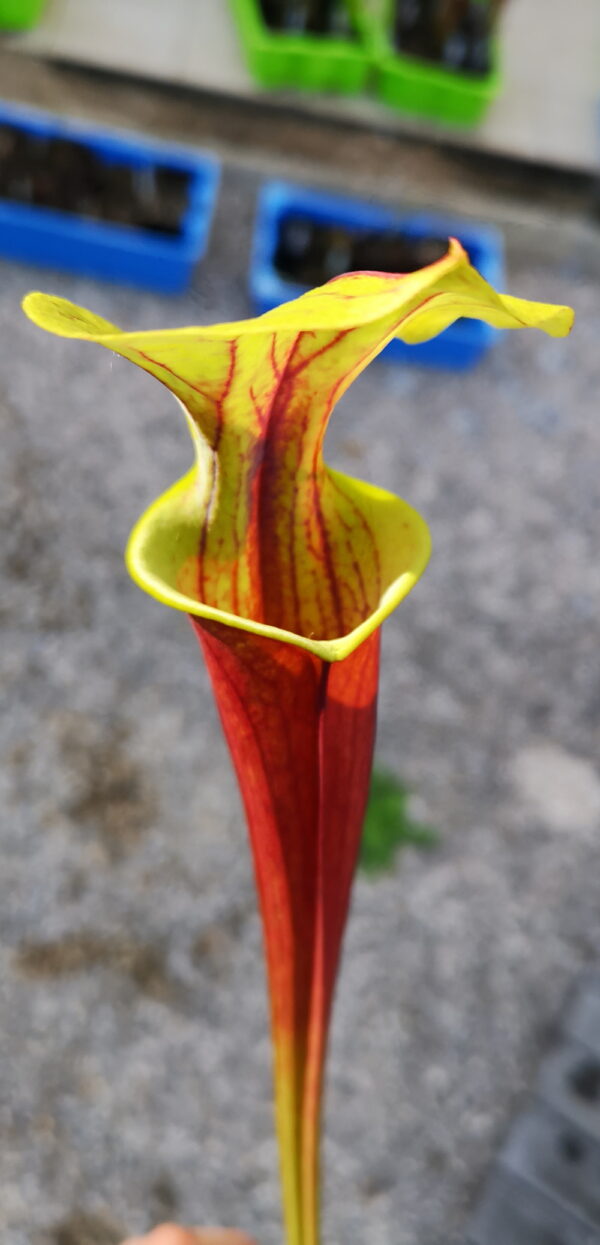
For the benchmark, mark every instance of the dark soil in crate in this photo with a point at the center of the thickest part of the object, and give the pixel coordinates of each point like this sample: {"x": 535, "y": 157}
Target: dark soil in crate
{"x": 454, "y": 33}
{"x": 309, "y": 17}
{"x": 61, "y": 173}
{"x": 310, "y": 253}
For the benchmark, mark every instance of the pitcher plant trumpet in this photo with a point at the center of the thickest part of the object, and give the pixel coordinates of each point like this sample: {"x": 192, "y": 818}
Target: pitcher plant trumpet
{"x": 287, "y": 570}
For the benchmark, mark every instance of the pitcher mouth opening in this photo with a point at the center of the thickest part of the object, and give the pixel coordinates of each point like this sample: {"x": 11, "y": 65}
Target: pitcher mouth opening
{"x": 167, "y": 569}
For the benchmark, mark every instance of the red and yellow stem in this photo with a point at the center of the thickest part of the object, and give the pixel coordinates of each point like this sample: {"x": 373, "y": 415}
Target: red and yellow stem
{"x": 301, "y": 735}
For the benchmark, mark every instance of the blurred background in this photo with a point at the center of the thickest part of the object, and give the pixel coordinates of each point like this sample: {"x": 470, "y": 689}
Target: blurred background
{"x": 201, "y": 160}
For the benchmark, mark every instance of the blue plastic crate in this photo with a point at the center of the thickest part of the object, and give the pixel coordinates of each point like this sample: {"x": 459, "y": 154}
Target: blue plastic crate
{"x": 113, "y": 252}
{"x": 460, "y": 346}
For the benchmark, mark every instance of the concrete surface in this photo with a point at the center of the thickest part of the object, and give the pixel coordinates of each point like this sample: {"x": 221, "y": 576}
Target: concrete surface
{"x": 134, "y": 1060}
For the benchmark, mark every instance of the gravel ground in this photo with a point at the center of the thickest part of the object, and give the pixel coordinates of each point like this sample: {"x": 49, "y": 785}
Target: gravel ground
{"x": 134, "y": 1060}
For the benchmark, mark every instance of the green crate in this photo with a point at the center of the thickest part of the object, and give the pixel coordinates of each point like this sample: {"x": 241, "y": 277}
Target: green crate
{"x": 306, "y": 61}
{"x": 19, "y": 14}
{"x": 429, "y": 90}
